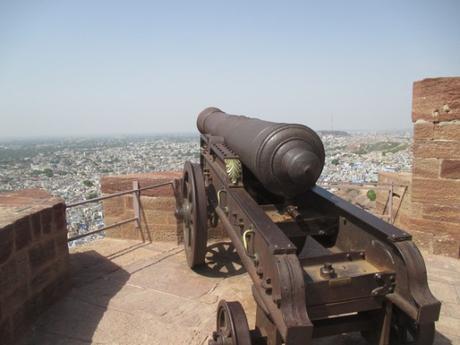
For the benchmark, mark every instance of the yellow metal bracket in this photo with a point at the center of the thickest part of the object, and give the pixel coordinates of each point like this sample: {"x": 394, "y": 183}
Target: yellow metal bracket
{"x": 245, "y": 238}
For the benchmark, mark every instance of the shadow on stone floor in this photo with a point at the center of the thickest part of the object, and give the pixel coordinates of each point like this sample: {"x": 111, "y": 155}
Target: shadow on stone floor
{"x": 440, "y": 339}
{"x": 222, "y": 261}
{"x": 356, "y": 339}
{"x": 74, "y": 319}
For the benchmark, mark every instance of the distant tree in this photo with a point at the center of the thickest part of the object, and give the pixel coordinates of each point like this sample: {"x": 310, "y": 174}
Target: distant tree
{"x": 335, "y": 161}
{"x": 371, "y": 195}
{"x": 36, "y": 172}
{"x": 91, "y": 195}
{"x": 48, "y": 172}
{"x": 88, "y": 183}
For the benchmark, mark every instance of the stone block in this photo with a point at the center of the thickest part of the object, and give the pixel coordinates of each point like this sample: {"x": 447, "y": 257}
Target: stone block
{"x": 113, "y": 184}
{"x": 15, "y": 299}
{"x": 118, "y": 212}
{"x": 114, "y": 232}
{"x": 5, "y": 332}
{"x": 35, "y": 225}
{"x": 437, "y": 149}
{"x": 130, "y": 231}
{"x": 42, "y": 278}
{"x": 155, "y": 217}
{"x": 426, "y": 167}
{"x": 22, "y": 265}
{"x": 47, "y": 220}
{"x": 433, "y": 226}
{"x": 59, "y": 213}
{"x": 33, "y": 307}
{"x": 448, "y": 130}
{"x": 399, "y": 178}
{"x": 436, "y": 191}
{"x": 163, "y": 233}
{"x": 55, "y": 290}
{"x": 117, "y": 202}
{"x": 61, "y": 268}
{"x": 19, "y": 322}
{"x": 153, "y": 203}
{"x": 450, "y": 169}
{"x": 22, "y": 233}
{"x": 443, "y": 213}
{"x": 60, "y": 241}
{"x": 436, "y": 99}
{"x": 423, "y": 130}
{"x": 41, "y": 254}
{"x": 447, "y": 246}
{"x": 403, "y": 220}
{"x": 8, "y": 277}
{"x": 6, "y": 243}
{"x": 159, "y": 203}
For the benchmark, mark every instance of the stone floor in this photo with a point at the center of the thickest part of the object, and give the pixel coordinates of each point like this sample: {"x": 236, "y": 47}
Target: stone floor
{"x": 127, "y": 292}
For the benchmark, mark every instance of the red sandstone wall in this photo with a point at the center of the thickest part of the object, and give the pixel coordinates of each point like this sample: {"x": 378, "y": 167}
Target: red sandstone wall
{"x": 436, "y": 166}
{"x": 158, "y": 222}
{"x": 34, "y": 258}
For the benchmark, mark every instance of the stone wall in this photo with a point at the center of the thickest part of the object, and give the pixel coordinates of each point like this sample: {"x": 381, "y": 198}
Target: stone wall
{"x": 34, "y": 258}
{"x": 157, "y": 219}
{"x": 431, "y": 211}
{"x": 436, "y": 166}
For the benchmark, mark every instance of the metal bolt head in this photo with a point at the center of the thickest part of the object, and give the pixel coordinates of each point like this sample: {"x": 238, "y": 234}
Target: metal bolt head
{"x": 327, "y": 271}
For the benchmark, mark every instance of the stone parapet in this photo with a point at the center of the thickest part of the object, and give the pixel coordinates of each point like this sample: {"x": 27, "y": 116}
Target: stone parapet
{"x": 157, "y": 208}
{"x": 435, "y": 187}
{"x": 436, "y": 99}
{"x": 34, "y": 258}
{"x": 431, "y": 206}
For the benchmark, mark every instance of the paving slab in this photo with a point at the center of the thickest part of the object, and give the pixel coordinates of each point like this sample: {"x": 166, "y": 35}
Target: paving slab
{"x": 127, "y": 292}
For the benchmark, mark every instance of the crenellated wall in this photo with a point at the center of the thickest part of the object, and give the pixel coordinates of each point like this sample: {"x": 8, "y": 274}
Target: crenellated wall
{"x": 34, "y": 258}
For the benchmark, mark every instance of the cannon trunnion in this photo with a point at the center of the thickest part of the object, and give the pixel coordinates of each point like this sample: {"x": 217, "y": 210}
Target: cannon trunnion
{"x": 319, "y": 265}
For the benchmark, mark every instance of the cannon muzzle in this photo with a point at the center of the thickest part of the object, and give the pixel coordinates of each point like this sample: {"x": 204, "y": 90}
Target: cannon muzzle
{"x": 286, "y": 158}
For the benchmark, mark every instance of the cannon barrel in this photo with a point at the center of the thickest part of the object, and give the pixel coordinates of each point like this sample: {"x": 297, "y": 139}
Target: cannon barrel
{"x": 286, "y": 158}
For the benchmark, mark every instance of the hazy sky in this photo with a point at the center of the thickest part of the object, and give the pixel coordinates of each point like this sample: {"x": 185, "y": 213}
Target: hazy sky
{"x": 101, "y": 67}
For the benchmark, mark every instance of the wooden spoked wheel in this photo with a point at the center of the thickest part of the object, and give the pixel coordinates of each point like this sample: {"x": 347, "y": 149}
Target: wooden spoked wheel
{"x": 194, "y": 214}
{"x": 231, "y": 325}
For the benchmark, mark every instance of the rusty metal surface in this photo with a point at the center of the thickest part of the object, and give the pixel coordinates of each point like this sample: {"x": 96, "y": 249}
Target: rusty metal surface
{"x": 319, "y": 265}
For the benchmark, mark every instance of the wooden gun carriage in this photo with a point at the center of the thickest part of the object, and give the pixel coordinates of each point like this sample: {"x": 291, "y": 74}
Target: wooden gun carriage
{"x": 319, "y": 265}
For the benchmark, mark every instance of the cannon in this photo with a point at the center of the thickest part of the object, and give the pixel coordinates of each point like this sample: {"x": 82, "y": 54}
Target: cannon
{"x": 319, "y": 266}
